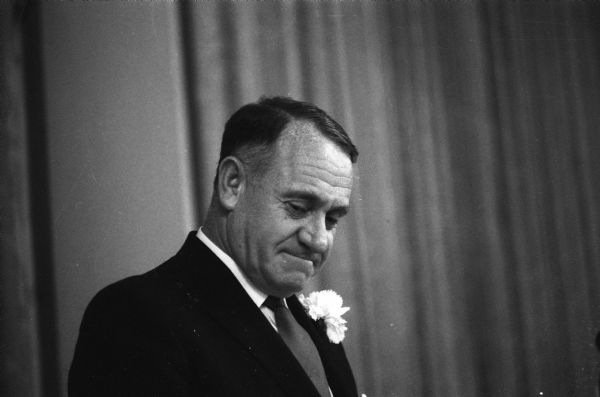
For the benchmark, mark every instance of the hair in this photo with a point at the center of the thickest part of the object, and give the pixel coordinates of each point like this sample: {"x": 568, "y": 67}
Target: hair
{"x": 252, "y": 130}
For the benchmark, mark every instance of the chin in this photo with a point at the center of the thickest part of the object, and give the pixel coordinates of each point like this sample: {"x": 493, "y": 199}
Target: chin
{"x": 291, "y": 285}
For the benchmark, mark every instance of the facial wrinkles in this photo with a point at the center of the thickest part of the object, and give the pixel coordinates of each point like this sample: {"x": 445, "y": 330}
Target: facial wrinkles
{"x": 328, "y": 194}
{"x": 316, "y": 174}
{"x": 310, "y": 163}
{"x": 328, "y": 183}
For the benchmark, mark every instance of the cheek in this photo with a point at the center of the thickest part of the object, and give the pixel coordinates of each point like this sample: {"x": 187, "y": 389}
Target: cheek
{"x": 277, "y": 237}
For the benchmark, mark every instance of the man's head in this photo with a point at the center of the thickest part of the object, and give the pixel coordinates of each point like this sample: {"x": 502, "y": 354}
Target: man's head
{"x": 251, "y": 131}
{"x": 283, "y": 182}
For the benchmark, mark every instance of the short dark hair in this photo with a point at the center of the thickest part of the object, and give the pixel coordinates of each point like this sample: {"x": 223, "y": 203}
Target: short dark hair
{"x": 255, "y": 127}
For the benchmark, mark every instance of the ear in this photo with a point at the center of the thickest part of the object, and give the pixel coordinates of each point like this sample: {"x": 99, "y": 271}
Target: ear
{"x": 231, "y": 182}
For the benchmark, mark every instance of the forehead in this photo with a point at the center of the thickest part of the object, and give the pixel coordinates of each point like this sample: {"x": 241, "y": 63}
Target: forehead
{"x": 306, "y": 161}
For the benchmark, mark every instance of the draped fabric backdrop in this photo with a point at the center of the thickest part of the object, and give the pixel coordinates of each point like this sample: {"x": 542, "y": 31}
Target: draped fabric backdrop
{"x": 471, "y": 256}
{"x": 471, "y": 259}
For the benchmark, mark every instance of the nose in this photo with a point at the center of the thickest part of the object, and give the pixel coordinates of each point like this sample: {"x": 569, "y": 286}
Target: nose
{"x": 315, "y": 236}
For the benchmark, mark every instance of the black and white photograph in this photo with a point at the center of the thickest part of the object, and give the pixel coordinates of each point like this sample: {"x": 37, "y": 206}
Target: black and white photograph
{"x": 300, "y": 198}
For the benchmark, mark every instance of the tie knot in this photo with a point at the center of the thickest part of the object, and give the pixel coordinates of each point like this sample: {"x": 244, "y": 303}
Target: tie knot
{"x": 274, "y": 303}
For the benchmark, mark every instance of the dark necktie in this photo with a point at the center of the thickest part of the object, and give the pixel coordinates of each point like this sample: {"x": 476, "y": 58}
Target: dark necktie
{"x": 299, "y": 342}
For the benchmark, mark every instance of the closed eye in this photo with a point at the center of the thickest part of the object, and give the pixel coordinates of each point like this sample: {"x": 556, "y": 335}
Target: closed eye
{"x": 296, "y": 209}
{"x": 334, "y": 216}
{"x": 331, "y": 222}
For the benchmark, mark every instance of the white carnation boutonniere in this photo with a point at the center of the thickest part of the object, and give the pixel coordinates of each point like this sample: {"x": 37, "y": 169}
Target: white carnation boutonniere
{"x": 327, "y": 306}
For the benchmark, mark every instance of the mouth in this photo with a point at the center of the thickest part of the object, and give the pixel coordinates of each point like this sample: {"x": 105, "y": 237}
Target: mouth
{"x": 310, "y": 260}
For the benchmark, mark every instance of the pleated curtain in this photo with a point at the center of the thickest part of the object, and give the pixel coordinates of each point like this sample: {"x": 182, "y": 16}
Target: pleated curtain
{"x": 471, "y": 258}
{"x": 471, "y": 255}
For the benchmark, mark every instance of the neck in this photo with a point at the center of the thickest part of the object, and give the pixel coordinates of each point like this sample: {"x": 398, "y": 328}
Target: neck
{"x": 214, "y": 228}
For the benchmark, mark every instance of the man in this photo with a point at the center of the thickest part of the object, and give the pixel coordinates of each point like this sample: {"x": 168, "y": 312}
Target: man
{"x": 210, "y": 321}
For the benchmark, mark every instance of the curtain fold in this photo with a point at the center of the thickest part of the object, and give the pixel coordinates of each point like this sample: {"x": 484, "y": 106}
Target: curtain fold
{"x": 20, "y": 352}
{"x": 471, "y": 255}
{"x": 470, "y": 258}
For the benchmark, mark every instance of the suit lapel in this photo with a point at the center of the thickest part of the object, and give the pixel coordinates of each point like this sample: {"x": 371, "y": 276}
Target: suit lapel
{"x": 337, "y": 369}
{"x": 215, "y": 290}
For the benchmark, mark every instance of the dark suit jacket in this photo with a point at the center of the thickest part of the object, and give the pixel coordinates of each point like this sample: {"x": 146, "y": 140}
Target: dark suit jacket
{"x": 188, "y": 328}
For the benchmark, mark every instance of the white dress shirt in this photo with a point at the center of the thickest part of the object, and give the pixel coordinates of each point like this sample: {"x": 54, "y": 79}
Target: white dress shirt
{"x": 257, "y": 296}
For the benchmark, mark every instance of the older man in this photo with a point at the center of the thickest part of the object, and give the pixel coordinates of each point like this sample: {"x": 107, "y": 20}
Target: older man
{"x": 221, "y": 317}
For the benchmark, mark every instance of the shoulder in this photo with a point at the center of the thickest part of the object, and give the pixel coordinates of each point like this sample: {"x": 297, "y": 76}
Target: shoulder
{"x": 115, "y": 305}
{"x": 119, "y": 293}
{"x": 126, "y": 341}
{"x": 181, "y": 268}
{"x": 134, "y": 292}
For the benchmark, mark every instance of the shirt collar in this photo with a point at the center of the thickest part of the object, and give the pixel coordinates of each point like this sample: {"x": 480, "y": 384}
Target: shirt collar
{"x": 257, "y": 296}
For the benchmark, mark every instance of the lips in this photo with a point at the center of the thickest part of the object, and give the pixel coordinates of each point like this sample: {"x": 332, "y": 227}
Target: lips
{"x": 314, "y": 259}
